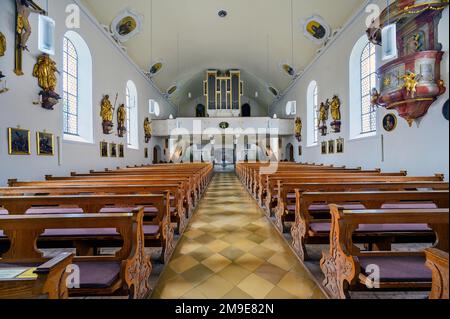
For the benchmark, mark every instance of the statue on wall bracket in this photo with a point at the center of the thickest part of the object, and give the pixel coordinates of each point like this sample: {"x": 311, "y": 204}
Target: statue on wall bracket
{"x": 45, "y": 71}
{"x": 24, "y": 8}
{"x": 3, "y": 87}
{"x": 107, "y": 114}
{"x": 298, "y": 129}
{"x": 323, "y": 118}
{"x": 147, "y": 129}
{"x": 335, "y": 107}
{"x": 121, "y": 119}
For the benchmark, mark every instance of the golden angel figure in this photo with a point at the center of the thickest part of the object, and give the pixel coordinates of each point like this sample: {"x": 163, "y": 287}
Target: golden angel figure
{"x": 106, "y": 110}
{"x": 411, "y": 80}
{"x": 45, "y": 70}
{"x": 121, "y": 118}
{"x": 2, "y": 44}
{"x": 335, "y": 106}
{"x": 147, "y": 130}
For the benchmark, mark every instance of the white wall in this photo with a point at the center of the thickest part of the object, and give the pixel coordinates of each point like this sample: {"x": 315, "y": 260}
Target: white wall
{"x": 111, "y": 71}
{"x": 422, "y": 149}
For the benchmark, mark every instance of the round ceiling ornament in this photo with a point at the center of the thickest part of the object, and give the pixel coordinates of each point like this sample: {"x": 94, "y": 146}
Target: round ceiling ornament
{"x": 126, "y": 25}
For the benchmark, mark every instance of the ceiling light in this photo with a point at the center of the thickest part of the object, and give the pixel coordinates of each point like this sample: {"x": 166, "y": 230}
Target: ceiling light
{"x": 273, "y": 91}
{"x": 223, "y": 13}
{"x": 256, "y": 94}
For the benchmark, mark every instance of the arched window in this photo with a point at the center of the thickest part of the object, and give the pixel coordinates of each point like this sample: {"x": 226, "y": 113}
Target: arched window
{"x": 77, "y": 89}
{"x": 70, "y": 87}
{"x": 363, "y": 60}
{"x": 132, "y": 116}
{"x": 313, "y": 120}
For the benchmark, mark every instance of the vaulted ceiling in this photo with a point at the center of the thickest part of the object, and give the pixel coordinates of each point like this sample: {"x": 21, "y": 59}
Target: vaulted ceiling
{"x": 256, "y": 37}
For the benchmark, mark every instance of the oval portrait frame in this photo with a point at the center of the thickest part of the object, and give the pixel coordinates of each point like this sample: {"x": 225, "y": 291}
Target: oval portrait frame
{"x": 126, "y": 14}
{"x": 323, "y": 23}
{"x": 394, "y": 126}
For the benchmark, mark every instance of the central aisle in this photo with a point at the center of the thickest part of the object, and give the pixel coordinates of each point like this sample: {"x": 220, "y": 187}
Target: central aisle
{"x": 230, "y": 250}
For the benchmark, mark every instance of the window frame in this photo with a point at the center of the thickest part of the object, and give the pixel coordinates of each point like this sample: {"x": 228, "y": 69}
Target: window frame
{"x": 66, "y": 56}
{"x": 372, "y": 114}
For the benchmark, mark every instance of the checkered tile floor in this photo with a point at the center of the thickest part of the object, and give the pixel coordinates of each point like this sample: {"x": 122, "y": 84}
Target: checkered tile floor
{"x": 230, "y": 250}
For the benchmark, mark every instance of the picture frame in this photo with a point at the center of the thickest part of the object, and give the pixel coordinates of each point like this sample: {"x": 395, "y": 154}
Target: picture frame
{"x": 45, "y": 144}
{"x": 300, "y": 150}
{"x": 113, "y": 150}
{"x": 331, "y": 147}
{"x": 104, "y": 149}
{"x": 340, "y": 145}
{"x": 146, "y": 152}
{"x": 324, "y": 148}
{"x": 126, "y": 25}
{"x": 390, "y": 122}
{"x": 19, "y": 141}
{"x": 121, "y": 151}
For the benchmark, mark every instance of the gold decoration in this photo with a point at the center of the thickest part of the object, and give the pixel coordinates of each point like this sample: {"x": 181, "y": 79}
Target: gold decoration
{"x": 147, "y": 129}
{"x": 298, "y": 129}
{"x": 45, "y": 70}
{"x": 121, "y": 118}
{"x": 2, "y": 44}
{"x": 107, "y": 113}
{"x": 335, "y": 106}
{"x": 411, "y": 81}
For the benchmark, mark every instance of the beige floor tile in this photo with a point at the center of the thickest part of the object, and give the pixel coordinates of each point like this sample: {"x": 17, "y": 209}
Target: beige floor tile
{"x": 249, "y": 262}
{"x": 183, "y": 263}
{"x": 188, "y": 246}
{"x": 216, "y": 262}
{"x": 245, "y": 245}
{"x": 197, "y": 274}
{"x": 278, "y": 293}
{"x": 217, "y": 245}
{"x": 215, "y": 287}
{"x": 237, "y": 294}
{"x": 234, "y": 273}
{"x": 174, "y": 288}
{"x": 270, "y": 273}
{"x": 262, "y": 252}
{"x": 298, "y": 286}
{"x": 256, "y": 286}
{"x": 284, "y": 261}
{"x": 193, "y": 233}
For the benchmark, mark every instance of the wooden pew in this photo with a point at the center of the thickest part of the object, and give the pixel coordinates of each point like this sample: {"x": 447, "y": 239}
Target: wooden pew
{"x": 437, "y": 261}
{"x": 181, "y": 207}
{"x": 47, "y": 283}
{"x": 348, "y": 268}
{"x": 158, "y": 232}
{"x": 312, "y": 224}
{"x": 126, "y": 273}
{"x": 178, "y": 205}
{"x": 286, "y": 200}
{"x": 274, "y": 191}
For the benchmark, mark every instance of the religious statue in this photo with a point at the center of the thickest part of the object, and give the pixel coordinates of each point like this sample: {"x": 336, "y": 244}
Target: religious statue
{"x": 323, "y": 117}
{"x": 375, "y": 98}
{"x": 147, "y": 130}
{"x": 107, "y": 113}
{"x": 2, "y": 44}
{"x": 45, "y": 71}
{"x": 121, "y": 118}
{"x": 298, "y": 129}
{"x": 24, "y": 8}
{"x": 335, "y": 107}
{"x": 3, "y": 87}
{"x": 411, "y": 80}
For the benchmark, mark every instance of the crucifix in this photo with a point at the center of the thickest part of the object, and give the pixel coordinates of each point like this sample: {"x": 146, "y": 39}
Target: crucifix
{"x": 24, "y": 8}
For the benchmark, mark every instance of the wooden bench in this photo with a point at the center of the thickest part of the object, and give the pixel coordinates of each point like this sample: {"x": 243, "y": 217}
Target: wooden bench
{"x": 126, "y": 273}
{"x": 158, "y": 231}
{"x": 348, "y": 268}
{"x": 47, "y": 281}
{"x": 313, "y": 221}
{"x": 180, "y": 206}
{"x": 437, "y": 261}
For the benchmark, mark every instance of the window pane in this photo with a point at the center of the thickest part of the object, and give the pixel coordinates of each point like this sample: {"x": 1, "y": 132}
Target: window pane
{"x": 368, "y": 82}
{"x": 70, "y": 88}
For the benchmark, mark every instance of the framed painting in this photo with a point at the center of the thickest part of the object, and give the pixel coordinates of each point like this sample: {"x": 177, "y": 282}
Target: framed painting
{"x": 331, "y": 147}
{"x": 340, "y": 146}
{"x": 146, "y": 152}
{"x": 121, "y": 151}
{"x": 113, "y": 149}
{"x": 324, "y": 148}
{"x": 300, "y": 151}
{"x": 45, "y": 144}
{"x": 390, "y": 122}
{"x": 19, "y": 141}
{"x": 104, "y": 149}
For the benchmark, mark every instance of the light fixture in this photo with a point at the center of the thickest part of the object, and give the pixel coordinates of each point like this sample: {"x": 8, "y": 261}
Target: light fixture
{"x": 256, "y": 94}
{"x": 222, "y": 13}
{"x": 190, "y": 95}
{"x": 273, "y": 91}
{"x": 156, "y": 68}
{"x": 171, "y": 90}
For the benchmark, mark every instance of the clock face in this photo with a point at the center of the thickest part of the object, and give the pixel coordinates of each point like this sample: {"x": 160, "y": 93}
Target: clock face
{"x": 224, "y": 125}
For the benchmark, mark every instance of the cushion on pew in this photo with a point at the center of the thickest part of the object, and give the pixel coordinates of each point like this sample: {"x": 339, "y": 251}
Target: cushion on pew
{"x": 326, "y": 207}
{"x": 398, "y": 268}
{"x": 409, "y": 206}
{"x": 326, "y": 227}
{"x": 151, "y": 230}
{"x": 88, "y": 232}
{"x": 3, "y": 211}
{"x": 98, "y": 274}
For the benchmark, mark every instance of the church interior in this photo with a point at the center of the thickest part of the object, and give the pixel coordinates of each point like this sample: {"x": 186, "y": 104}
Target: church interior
{"x": 236, "y": 150}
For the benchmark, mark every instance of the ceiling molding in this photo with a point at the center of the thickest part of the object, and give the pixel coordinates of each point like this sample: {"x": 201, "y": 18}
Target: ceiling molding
{"x": 347, "y": 25}
{"x": 99, "y": 27}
